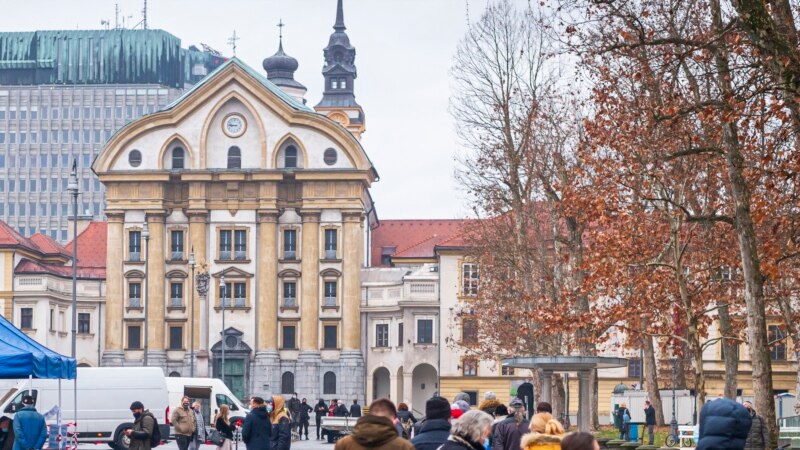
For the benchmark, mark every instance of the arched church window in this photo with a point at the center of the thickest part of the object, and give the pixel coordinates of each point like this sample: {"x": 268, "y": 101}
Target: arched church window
{"x": 329, "y": 383}
{"x": 287, "y": 383}
{"x": 234, "y": 158}
{"x": 135, "y": 158}
{"x": 178, "y": 155}
{"x": 290, "y": 157}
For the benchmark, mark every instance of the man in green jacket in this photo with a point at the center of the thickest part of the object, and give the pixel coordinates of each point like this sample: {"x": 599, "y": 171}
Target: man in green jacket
{"x": 143, "y": 426}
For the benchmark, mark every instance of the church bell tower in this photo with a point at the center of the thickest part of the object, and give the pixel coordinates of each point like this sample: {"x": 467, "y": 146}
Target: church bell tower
{"x": 338, "y": 98}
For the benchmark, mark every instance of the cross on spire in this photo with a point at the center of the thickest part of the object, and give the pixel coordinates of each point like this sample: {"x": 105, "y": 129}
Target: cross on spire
{"x": 232, "y": 42}
{"x": 280, "y": 29}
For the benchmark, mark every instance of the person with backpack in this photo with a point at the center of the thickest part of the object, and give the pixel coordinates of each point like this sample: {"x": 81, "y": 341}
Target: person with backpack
{"x": 406, "y": 419}
{"x": 145, "y": 428}
{"x": 624, "y": 417}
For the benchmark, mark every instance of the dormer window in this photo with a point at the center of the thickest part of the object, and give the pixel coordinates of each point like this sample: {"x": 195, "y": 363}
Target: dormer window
{"x": 334, "y": 83}
{"x": 234, "y": 158}
{"x": 290, "y": 157}
{"x": 342, "y": 83}
{"x": 178, "y": 155}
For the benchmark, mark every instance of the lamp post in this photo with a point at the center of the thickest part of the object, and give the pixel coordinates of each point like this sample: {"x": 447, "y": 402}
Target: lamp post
{"x": 72, "y": 188}
{"x": 191, "y": 312}
{"x": 674, "y": 423}
{"x": 146, "y": 236}
{"x": 222, "y": 304}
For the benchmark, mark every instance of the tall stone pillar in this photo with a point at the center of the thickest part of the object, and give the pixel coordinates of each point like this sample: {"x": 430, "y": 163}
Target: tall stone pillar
{"x": 156, "y": 291}
{"x": 351, "y": 360}
{"x": 198, "y": 231}
{"x": 307, "y": 376}
{"x": 584, "y": 401}
{"x": 115, "y": 290}
{"x": 267, "y": 369}
{"x": 547, "y": 386}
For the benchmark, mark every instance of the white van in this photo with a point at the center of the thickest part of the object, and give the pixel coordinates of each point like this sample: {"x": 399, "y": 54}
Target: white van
{"x": 210, "y": 392}
{"x": 105, "y": 395}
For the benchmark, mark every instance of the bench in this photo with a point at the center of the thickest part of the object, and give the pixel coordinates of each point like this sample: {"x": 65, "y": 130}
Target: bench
{"x": 686, "y": 437}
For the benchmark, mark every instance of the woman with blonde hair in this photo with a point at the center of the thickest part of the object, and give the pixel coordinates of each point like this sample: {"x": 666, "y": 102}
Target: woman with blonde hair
{"x": 546, "y": 433}
{"x": 223, "y": 425}
{"x": 281, "y": 424}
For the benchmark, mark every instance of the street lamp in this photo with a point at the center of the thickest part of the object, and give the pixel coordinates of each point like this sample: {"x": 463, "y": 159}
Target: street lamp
{"x": 191, "y": 312}
{"x": 72, "y": 188}
{"x": 222, "y": 304}
{"x": 674, "y": 423}
{"x": 146, "y": 236}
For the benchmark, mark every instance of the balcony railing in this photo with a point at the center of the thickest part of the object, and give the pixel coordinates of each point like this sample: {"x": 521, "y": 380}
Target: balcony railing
{"x": 136, "y": 256}
{"x": 289, "y": 254}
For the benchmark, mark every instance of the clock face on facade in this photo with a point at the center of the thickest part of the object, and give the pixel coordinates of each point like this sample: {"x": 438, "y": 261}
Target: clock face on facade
{"x": 234, "y": 125}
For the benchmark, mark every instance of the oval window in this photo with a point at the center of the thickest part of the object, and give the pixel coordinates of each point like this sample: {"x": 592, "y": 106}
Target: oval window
{"x": 135, "y": 158}
{"x": 330, "y": 156}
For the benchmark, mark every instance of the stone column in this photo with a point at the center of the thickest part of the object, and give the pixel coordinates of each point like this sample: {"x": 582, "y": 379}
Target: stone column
{"x": 267, "y": 360}
{"x": 584, "y": 401}
{"x": 547, "y": 386}
{"x": 156, "y": 291}
{"x": 115, "y": 290}
{"x": 307, "y": 376}
{"x": 351, "y": 360}
{"x": 198, "y": 220}
{"x": 408, "y": 390}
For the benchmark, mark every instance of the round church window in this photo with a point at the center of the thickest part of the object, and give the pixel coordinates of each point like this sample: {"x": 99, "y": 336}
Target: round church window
{"x": 135, "y": 158}
{"x": 230, "y": 341}
{"x": 330, "y": 156}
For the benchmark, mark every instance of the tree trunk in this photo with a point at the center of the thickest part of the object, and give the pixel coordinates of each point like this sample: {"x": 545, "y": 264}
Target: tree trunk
{"x": 730, "y": 353}
{"x": 748, "y": 246}
{"x": 651, "y": 378}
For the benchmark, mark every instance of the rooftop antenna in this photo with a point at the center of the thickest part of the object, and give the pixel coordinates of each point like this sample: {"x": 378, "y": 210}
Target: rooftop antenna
{"x": 467, "y": 3}
{"x": 232, "y": 42}
{"x": 116, "y": 16}
{"x": 105, "y": 23}
{"x": 144, "y": 15}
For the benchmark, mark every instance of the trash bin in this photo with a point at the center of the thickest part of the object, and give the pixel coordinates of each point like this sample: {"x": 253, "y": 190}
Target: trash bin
{"x": 633, "y": 432}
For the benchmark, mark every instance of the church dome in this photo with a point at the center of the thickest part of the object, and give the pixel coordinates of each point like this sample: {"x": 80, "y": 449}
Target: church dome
{"x": 280, "y": 65}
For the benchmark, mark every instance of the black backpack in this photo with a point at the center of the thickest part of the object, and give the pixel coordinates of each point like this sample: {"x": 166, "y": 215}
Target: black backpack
{"x": 155, "y": 438}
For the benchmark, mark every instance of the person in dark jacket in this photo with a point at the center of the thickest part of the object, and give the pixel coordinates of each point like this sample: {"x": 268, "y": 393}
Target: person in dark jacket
{"x": 724, "y": 425}
{"x": 257, "y": 431}
{"x": 281, "y": 425}
{"x": 341, "y": 410}
{"x": 650, "y": 420}
{"x": 223, "y": 424}
{"x": 303, "y": 418}
{"x": 623, "y": 425}
{"x": 293, "y": 406}
{"x": 758, "y": 437}
{"x": 30, "y": 430}
{"x": 406, "y": 419}
{"x": 508, "y": 433}
{"x": 143, "y": 426}
{"x": 321, "y": 409}
{"x": 6, "y": 434}
{"x": 436, "y": 427}
{"x": 469, "y": 432}
{"x": 376, "y": 430}
{"x": 355, "y": 409}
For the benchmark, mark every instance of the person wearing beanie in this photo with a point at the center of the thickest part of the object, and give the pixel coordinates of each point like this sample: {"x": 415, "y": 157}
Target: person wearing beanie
{"x": 436, "y": 427}
{"x": 455, "y": 411}
{"x": 143, "y": 427}
{"x": 461, "y": 396}
{"x": 463, "y": 405}
{"x": 546, "y": 433}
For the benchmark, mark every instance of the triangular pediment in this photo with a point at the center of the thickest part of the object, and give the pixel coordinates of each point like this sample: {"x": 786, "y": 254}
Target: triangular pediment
{"x": 232, "y": 272}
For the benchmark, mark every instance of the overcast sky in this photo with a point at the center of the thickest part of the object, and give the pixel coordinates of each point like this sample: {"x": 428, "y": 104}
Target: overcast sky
{"x": 404, "y": 50}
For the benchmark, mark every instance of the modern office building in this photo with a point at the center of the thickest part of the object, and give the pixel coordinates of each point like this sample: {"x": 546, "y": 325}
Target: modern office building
{"x": 62, "y": 95}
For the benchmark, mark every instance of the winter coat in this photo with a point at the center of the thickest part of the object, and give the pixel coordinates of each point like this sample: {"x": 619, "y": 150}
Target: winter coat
{"x": 293, "y": 405}
{"x": 432, "y": 434}
{"x": 341, "y": 411}
{"x": 321, "y": 409}
{"x": 650, "y": 415}
{"x": 724, "y": 425}
{"x": 620, "y": 417}
{"x": 459, "y": 443}
{"x": 406, "y": 420}
{"x": 8, "y": 442}
{"x": 183, "y": 421}
{"x": 30, "y": 430}
{"x": 373, "y": 432}
{"x": 225, "y": 430}
{"x": 758, "y": 437}
{"x": 142, "y": 431}
{"x": 539, "y": 441}
{"x": 281, "y": 434}
{"x": 305, "y": 412}
{"x": 508, "y": 434}
{"x": 355, "y": 410}
{"x": 257, "y": 430}
{"x": 200, "y": 427}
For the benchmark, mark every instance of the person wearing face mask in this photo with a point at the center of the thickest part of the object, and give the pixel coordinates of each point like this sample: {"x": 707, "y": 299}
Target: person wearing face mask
{"x": 199, "y": 436}
{"x": 321, "y": 409}
{"x": 303, "y": 418}
{"x": 183, "y": 420}
{"x": 470, "y": 432}
{"x": 281, "y": 424}
{"x": 257, "y": 430}
{"x": 143, "y": 426}
{"x": 293, "y": 405}
{"x": 6, "y": 434}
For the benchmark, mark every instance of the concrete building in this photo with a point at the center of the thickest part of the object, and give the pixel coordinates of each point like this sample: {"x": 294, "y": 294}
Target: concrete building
{"x": 62, "y": 95}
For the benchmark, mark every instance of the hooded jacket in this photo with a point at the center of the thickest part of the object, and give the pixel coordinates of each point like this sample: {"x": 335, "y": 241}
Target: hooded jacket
{"x": 29, "y": 429}
{"x": 257, "y": 430}
{"x": 142, "y": 431}
{"x": 432, "y": 434}
{"x": 724, "y": 425}
{"x": 281, "y": 438}
{"x": 489, "y": 406}
{"x": 539, "y": 441}
{"x": 321, "y": 409}
{"x": 373, "y": 432}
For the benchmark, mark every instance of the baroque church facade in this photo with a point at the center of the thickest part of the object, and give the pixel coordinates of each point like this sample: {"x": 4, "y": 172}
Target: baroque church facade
{"x": 236, "y": 227}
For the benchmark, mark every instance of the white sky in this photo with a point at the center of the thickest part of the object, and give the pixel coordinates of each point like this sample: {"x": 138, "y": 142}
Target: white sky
{"x": 404, "y": 50}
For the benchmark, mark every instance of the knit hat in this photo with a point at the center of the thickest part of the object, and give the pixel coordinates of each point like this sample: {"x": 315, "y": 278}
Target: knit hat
{"x": 489, "y": 395}
{"x": 137, "y": 405}
{"x": 437, "y": 408}
{"x": 463, "y": 406}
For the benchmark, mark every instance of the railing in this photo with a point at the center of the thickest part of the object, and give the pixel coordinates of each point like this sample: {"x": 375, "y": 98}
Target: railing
{"x": 136, "y": 256}
{"x": 225, "y": 255}
{"x": 330, "y": 301}
{"x": 176, "y": 256}
{"x": 135, "y": 302}
{"x": 289, "y": 254}
{"x": 240, "y": 255}
{"x": 330, "y": 254}
{"x": 289, "y": 302}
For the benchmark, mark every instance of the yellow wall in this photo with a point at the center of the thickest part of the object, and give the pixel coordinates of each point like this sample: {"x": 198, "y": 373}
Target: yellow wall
{"x": 7, "y": 285}
{"x": 450, "y": 386}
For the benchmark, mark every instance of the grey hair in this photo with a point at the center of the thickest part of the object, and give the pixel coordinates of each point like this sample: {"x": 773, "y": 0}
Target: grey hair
{"x": 472, "y": 425}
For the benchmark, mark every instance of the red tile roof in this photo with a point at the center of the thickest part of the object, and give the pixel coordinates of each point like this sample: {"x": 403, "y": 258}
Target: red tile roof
{"x": 9, "y": 237}
{"x": 416, "y": 238}
{"x": 92, "y": 246}
{"x": 48, "y": 245}
{"x": 26, "y": 266}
